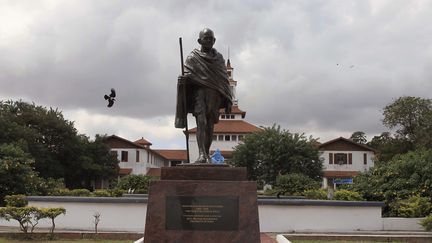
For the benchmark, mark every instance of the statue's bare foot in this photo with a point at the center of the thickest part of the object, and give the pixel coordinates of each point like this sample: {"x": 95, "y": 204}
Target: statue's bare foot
{"x": 201, "y": 159}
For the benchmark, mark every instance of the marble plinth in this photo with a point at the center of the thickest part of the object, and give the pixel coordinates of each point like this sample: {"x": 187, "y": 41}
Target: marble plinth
{"x": 215, "y": 204}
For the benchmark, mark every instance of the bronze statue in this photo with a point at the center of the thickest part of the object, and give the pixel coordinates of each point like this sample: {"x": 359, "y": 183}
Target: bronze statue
{"x": 205, "y": 89}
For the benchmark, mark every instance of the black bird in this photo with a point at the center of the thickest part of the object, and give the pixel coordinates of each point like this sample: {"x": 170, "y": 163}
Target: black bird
{"x": 110, "y": 98}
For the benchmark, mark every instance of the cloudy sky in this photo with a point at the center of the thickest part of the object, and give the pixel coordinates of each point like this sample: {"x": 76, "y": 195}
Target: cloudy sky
{"x": 324, "y": 68}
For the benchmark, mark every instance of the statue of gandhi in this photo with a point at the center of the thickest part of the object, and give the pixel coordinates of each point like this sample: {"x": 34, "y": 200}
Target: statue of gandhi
{"x": 207, "y": 90}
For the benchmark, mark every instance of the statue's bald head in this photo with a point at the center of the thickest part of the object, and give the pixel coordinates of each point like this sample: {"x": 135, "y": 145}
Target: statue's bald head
{"x": 206, "y": 39}
{"x": 206, "y": 32}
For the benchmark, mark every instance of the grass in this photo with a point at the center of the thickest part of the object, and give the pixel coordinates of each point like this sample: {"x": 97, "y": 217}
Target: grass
{"x": 339, "y": 241}
{"x": 4, "y": 240}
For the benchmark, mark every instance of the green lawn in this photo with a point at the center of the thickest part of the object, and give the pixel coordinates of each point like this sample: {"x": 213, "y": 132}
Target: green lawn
{"x": 339, "y": 241}
{"x": 4, "y": 240}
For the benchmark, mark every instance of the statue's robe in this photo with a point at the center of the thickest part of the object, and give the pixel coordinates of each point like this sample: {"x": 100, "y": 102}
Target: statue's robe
{"x": 202, "y": 70}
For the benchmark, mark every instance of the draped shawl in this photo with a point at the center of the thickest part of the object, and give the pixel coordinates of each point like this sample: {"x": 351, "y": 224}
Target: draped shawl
{"x": 202, "y": 70}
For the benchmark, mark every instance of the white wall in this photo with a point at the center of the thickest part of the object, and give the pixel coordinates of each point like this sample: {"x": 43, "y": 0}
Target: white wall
{"x": 402, "y": 224}
{"x": 284, "y": 218}
{"x": 130, "y": 217}
{"x": 357, "y": 161}
{"x": 137, "y": 167}
{"x": 79, "y": 216}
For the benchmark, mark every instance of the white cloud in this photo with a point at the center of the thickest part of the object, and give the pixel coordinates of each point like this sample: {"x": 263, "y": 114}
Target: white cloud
{"x": 319, "y": 67}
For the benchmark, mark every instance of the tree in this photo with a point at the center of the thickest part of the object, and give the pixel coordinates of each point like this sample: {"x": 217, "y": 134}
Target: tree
{"x": 389, "y": 146}
{"x": 295, "y": 183}
{"x": 412, "y": 117}
{"x": 272, "y": 152}
{"x": 55, "y": 146}
{"x": 359, "y": 137}
{"x": 404, "y": 176}
{"x": 16, "y": 172}
{"x": 94, "y": 162}
{"x": 44, "y": 133}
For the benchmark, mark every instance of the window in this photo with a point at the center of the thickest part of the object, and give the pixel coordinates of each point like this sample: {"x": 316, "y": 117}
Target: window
{"x": 340, "y": 159}
{"x": 137, "y": 156}
{"x": 214, "y": 137}
{"x": 350, "y": 158}
{"x": 331, "y": 158}
{"x": 114, "y": 154}
{"x": 240, "y": 137}
{"x": 220, "y": 137}
{"x": 234, "y": 137}
{"x": 124, "y": 156}
{"x": 365, "y": 159}
{"x": 222, "y": 116}
{"x": 232, "y": 116}
{"x": 229, "y": 73}
{"x": 227, "y": 138}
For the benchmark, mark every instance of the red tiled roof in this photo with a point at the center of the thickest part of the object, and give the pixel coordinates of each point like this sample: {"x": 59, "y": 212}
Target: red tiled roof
{"x": 125, "y": 171}
{"x": 349, "y": 141}
{"x": 114, "y": 141}
{"x": 142, "y": 141}
{"x": 232, "y": 126}
{"x": 154, "y": 172}
{"x": 336, "y": 173}
{"x": 172, "y": 154}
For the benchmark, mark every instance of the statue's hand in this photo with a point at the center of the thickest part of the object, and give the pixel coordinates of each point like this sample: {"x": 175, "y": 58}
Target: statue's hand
{"x": 182, "y": 79}
{"x": 228, "y": 108}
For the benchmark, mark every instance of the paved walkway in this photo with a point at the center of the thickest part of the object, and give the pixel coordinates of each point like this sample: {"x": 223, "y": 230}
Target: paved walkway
{"x": 268, "y": 238}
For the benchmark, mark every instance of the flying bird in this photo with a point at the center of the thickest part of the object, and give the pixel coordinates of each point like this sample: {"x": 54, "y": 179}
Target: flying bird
{"x": 110, "y": 98}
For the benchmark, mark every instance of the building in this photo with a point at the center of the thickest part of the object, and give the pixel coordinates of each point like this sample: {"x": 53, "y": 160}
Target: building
{"x": 135, "y": 158}
{"x": 229, "y": 131}
{"x": 343, "y": 159}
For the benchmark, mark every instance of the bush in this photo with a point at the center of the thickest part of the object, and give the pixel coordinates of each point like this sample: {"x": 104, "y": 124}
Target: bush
{"x": 51, "y": 213}
{"x": 101, "y": 193}
{"x": 51, "y": 187}
{"x": 139, "y": 183}
{"x": 16, "y": 201}
{"x": 345, "y": 195}
{"x": 80, "y": 193}
{"x": 27, "y": 217}
{"x": 61, "y": 192}
{"x": 294, "y": 184}
{"x": 320, "y": 194}
{"x": 413, "y": 207}
{"x": 427, "y": 223}
{"x": 116, "y": 192}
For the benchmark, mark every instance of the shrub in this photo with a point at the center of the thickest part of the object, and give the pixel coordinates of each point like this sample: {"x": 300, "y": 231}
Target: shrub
{"x": 51, "y": 213}
{"x": 294, "y": 184}
{"x": 427, "y": 223}
{"x": 139, "y": 183}
{"x": 80, "y": 193}
{"x": 27, "y": 217}
{"x": 413, "y": 207}
{"x": 320, "y": 194}
{"x": 116, "y": 192}
{"x": 101, "y": 193}
{"x": 61, "y": 192}
{"x": 16, "y": 200}
{"x": 345, "y": 195}
{"x": 51, "y": 187}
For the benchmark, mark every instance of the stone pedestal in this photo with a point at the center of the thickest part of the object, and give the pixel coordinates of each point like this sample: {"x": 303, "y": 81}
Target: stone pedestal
{"x": 202, "y": 203}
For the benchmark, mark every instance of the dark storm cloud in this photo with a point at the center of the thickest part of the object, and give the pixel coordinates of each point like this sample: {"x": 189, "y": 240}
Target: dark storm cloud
{"x": 332, "y": 64}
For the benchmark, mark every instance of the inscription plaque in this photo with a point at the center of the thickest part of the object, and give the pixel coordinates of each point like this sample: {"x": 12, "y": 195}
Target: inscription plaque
{"x": 202, "y": 213}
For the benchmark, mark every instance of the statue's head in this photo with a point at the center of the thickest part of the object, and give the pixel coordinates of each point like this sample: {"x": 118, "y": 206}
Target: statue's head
{"x": 206, "y": 38}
